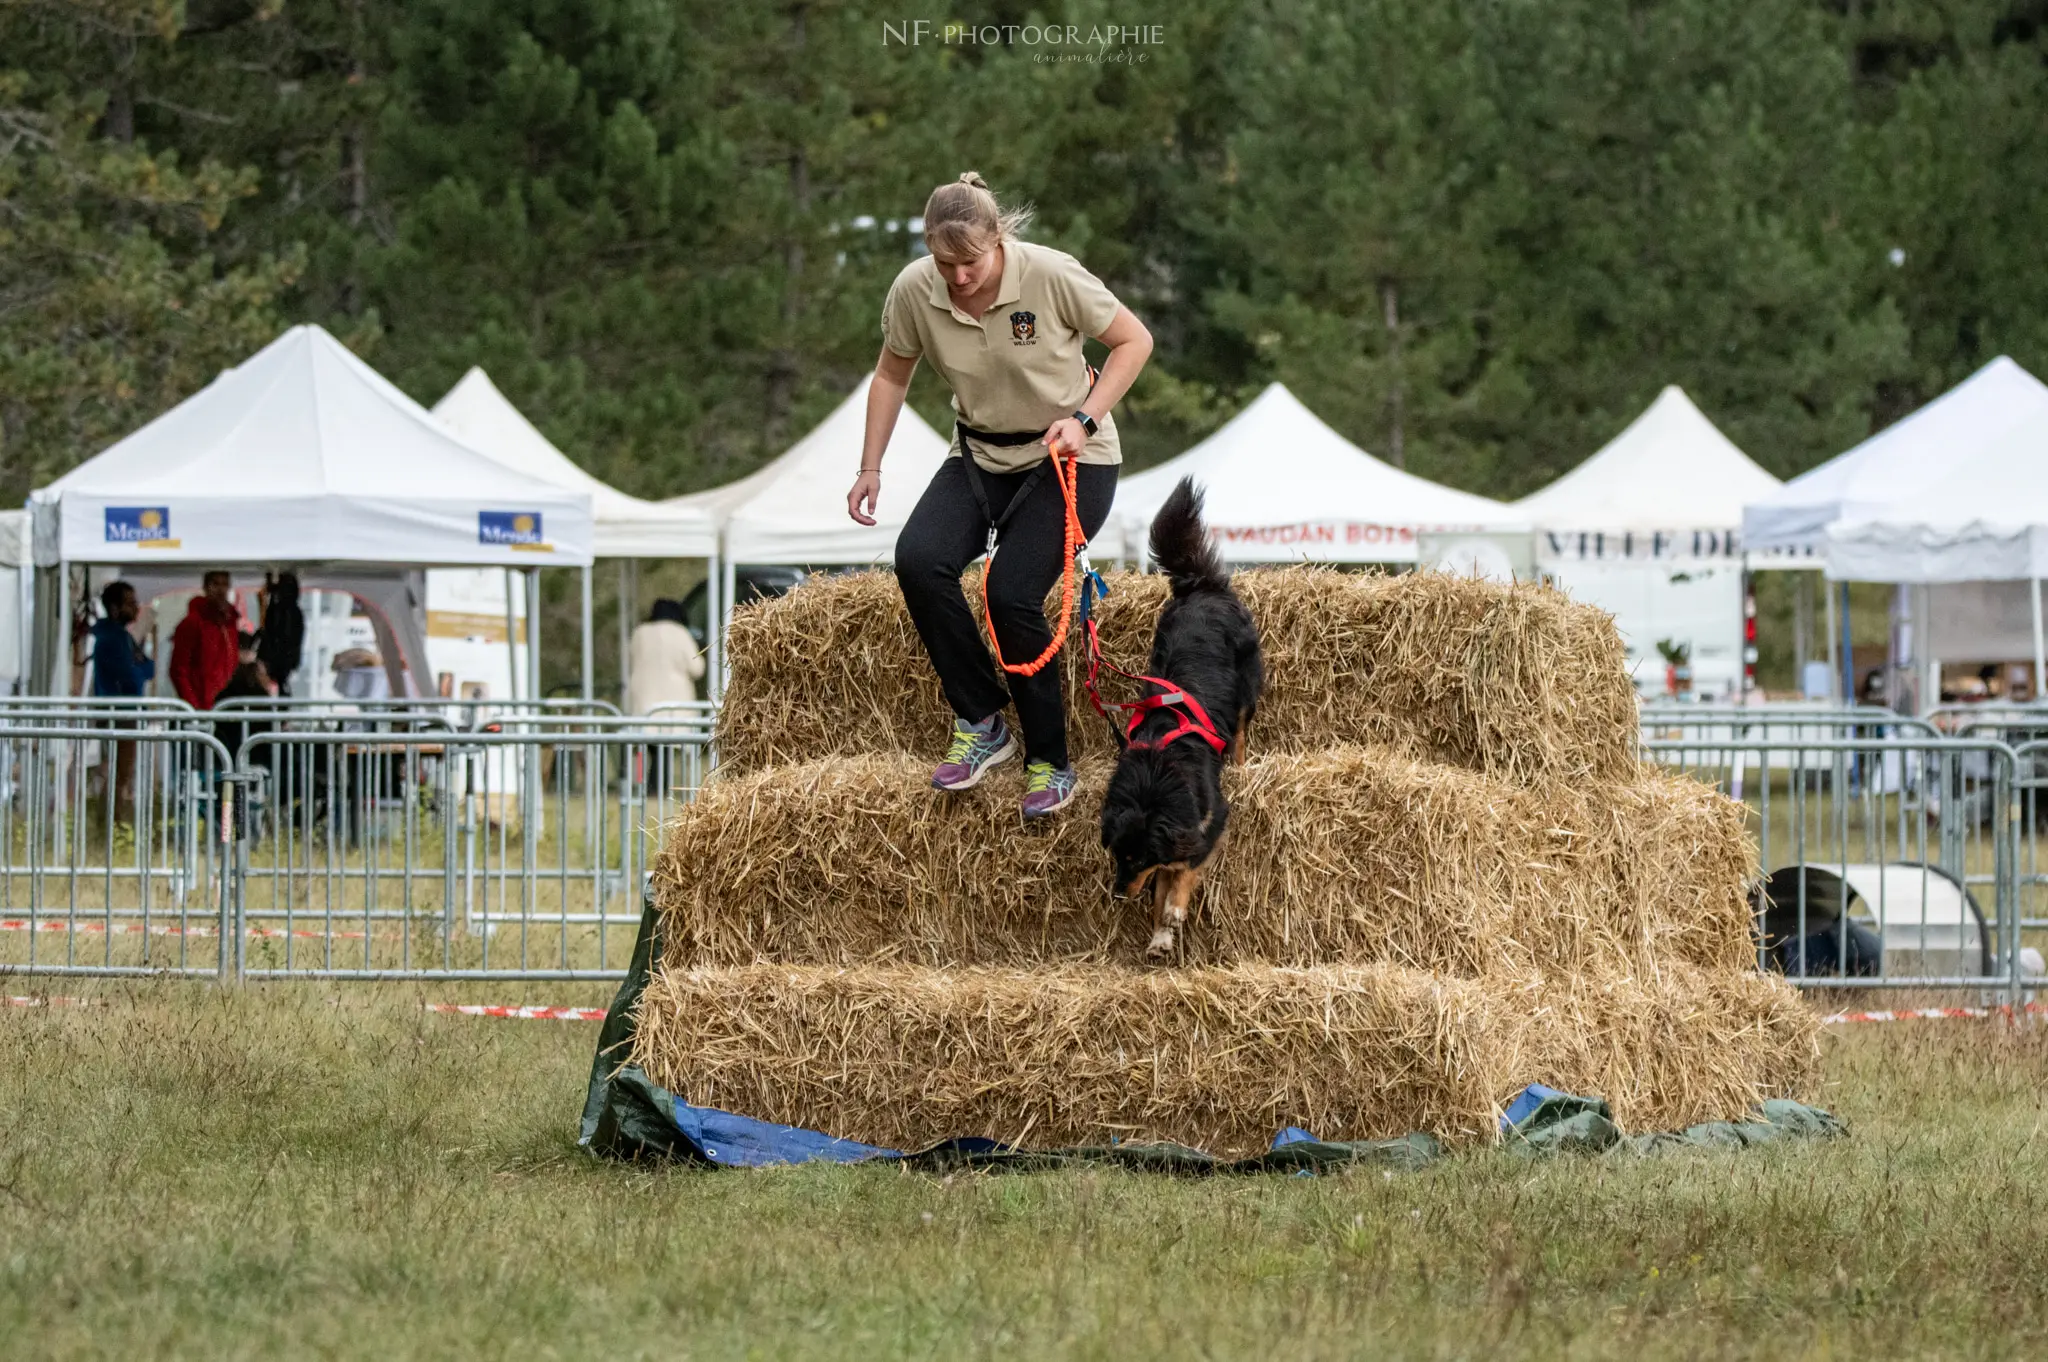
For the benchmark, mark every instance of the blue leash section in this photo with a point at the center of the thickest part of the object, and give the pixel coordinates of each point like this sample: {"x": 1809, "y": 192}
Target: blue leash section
{"x": 1093, "y": 586}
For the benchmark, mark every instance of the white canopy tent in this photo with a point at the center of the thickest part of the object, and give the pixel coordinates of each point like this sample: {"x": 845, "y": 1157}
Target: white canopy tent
{"x": 793, "y": 509}
{"x": 624, "y": 527}
{"x": 1905, "y": 460}
{"x": 1283, "y": 487}
{"x": 1984, "y": 524}
{"x": 1648, "y": 529}
{"x": 1986, "y": 520}
{"x": 303, "y": 454}
{"x": 1669, "y": 479}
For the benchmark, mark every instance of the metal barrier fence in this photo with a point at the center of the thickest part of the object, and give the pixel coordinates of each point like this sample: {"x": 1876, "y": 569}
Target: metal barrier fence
{"x": 2008, "y": 723}
{"x": 325, "y": 848}
{"x": 112, "y": 851}
{"x": 469, "y": 714}
{"x": 339, "y": 840}
{"x": 1782, "y": 728}
{"x": 1888, "y": 862}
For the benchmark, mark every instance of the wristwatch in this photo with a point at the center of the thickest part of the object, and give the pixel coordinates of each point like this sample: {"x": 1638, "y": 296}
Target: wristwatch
{"x": 1087, "y": 421}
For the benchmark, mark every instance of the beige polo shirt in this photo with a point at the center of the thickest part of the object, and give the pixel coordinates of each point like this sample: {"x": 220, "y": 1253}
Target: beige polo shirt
{"x": 1018, "y": 366}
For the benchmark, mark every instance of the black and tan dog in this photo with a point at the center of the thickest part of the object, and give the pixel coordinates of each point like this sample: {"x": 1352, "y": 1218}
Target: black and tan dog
{"x": 1164, "y": 815}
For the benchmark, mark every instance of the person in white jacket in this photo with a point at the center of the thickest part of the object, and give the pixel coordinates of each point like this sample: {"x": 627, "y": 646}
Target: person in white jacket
{"x": 665, "y": 664}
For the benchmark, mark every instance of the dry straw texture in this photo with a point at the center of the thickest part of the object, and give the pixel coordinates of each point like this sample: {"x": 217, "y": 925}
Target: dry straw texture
{"x": 1349, "y": 855}
{"x": 1517, "y": 681}
{"x": 1684, "y": 857}
{"x": 1217, "y": 1058}
{"x": 1446, "y": 878}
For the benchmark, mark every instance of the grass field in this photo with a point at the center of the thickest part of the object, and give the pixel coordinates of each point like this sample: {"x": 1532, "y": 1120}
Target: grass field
{"x": 310, "y": 1171}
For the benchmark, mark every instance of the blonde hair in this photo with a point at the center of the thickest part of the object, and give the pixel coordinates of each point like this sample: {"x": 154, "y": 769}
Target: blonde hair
{"x": 963, "y": 219}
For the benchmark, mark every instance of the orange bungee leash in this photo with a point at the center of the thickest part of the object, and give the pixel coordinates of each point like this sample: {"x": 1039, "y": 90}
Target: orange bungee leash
{"x": 1066, "y": 470}
{"x": 1191, "y": 719}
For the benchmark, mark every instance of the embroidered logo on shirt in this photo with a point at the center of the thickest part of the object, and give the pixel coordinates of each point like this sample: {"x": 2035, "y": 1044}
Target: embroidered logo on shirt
{"x": 1023, "y": 328}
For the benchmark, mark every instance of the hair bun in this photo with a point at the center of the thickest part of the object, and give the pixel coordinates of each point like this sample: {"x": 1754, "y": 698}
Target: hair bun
{"x": 973, "y": 177}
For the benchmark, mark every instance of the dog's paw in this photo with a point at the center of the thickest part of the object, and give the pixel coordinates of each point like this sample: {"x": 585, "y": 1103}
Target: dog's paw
{"x": 1161, "y": 945}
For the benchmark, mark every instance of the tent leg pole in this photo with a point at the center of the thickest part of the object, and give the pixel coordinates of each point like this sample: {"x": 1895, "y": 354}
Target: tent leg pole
{"x": 2040, "y": 641}
{"x": 533, "y": 634}
{"x": 626, "y": 614}
{"x": 531, "y": 794}
{"x": 714, "y": 630}
{"x": 730, "y": 592}
{"x": 1834, "y": 638}
{"x": 1848, "y": 651}
{"x": 511, "y": 640}
{"x": 25, "y": 626}
{"x": 1746, "y": 683}
{"x": 589, "y": 642}
{"x": 1800, "y": 611}
{"x": 60, "y": 680}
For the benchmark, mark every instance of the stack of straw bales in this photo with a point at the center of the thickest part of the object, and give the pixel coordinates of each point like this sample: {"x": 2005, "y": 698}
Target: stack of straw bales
{"x": 1447, "y": 877}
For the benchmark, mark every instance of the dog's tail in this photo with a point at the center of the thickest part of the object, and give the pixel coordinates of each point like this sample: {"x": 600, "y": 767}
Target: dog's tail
{"x": 1180, "y": 543}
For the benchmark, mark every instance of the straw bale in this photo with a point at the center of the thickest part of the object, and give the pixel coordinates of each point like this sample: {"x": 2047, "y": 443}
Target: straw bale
{"x": 1518, "y": 681}
{"x": 1216, "y": 1058}
{"x": 1685, "y": 860}
{"x": 1350, "y": 855}
{"x": 1684, "y": 1046}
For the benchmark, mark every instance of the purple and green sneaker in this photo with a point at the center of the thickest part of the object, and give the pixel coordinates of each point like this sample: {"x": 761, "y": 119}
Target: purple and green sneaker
{"x": 1047, "y": 789}
{"x": 975, "y": 748}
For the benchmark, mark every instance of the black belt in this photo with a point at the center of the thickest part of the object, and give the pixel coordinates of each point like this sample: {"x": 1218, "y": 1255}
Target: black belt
{"x": 1007, "y": 439}
{"x": 1004, "y": 439}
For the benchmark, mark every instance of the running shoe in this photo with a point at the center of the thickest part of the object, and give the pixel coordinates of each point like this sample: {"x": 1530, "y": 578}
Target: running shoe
{"x": 1048, "y": 790}
{"x": 975, "y": 748}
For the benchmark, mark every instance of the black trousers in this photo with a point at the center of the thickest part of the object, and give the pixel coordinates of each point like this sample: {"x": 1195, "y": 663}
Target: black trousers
{"x": 948, "y": 531}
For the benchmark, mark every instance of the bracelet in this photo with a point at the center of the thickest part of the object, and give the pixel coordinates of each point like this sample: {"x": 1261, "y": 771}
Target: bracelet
{"x": 871, "y": 470}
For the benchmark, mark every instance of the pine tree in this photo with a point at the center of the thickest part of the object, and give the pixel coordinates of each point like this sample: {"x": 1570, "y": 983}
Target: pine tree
{"x": 112, "y": 307}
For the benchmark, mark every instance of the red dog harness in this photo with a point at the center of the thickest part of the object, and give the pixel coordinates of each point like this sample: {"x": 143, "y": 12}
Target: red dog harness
{"x": 1192, "y": 719}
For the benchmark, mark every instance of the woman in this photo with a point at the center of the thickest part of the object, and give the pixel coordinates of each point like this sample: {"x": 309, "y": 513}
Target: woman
{"x": 663, "y": 664}
{"x": 1003, "y": 322}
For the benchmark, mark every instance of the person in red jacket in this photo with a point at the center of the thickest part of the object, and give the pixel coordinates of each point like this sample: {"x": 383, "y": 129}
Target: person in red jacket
{"x": 204, "y": 647}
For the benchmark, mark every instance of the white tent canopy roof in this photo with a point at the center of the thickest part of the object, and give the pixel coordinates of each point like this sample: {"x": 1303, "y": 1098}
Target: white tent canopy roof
{"x": 1670, "y": 469}
{"x": 1283, "y": 487}
{"x": 1986, "y": 521}
{"x": 793, "y": 510}
{"x": 625, "y": 526}
{"x": 1905, "y": 461}
{"x": 303, "y": 453}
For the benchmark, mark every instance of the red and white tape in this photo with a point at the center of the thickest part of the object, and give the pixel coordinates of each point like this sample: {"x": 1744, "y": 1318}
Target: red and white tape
{"x": 16, "y": 924}
{"x": 1932, "y": 1014}
{"x": 520, "y": 1013}
{"x": 464, "y": 1009}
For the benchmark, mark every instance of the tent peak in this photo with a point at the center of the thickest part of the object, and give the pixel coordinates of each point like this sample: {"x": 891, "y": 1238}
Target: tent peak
{"x": 1669, "y": 468}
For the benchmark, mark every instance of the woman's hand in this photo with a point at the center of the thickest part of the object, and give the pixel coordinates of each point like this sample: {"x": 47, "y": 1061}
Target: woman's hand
{"x": 865, "y": 496}
{"x": 1066, "y": 437}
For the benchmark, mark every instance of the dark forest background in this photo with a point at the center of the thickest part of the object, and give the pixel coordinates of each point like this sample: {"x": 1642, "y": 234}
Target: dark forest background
{"x": 1475, "y": 237}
